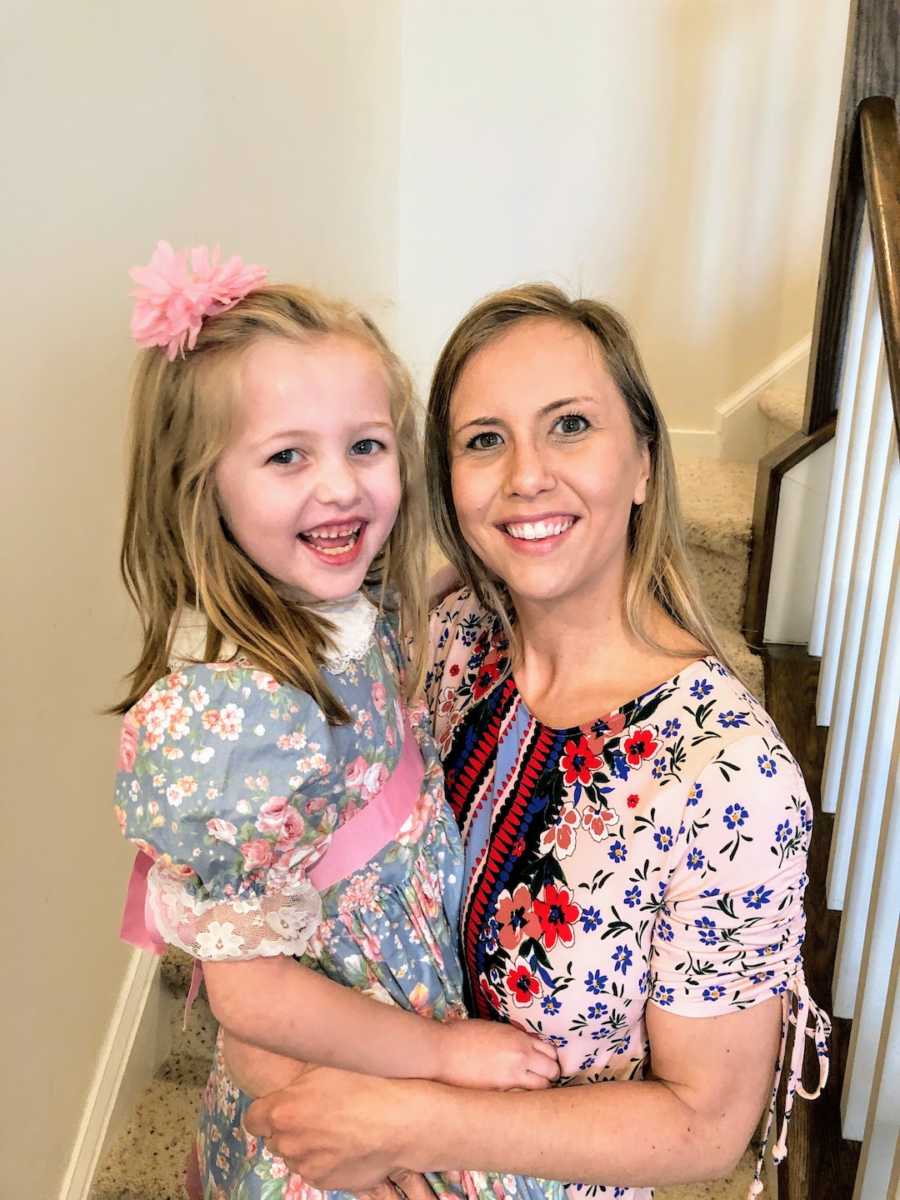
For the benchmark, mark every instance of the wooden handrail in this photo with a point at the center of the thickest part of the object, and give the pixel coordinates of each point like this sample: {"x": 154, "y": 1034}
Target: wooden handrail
{"x": 880, "y": 147}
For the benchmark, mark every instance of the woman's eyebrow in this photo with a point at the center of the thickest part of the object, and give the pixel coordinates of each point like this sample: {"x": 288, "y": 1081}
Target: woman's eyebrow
{"x": 542, "y": 412}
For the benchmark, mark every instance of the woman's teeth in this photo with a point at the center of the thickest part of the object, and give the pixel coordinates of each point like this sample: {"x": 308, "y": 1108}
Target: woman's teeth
{"x": 532, "y": 531}
{"x": 335, "y": 540}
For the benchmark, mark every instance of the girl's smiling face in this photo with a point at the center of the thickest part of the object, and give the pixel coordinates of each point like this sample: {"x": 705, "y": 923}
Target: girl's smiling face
{"x": 545, "y": 464}
{"x": 309, "y": 481}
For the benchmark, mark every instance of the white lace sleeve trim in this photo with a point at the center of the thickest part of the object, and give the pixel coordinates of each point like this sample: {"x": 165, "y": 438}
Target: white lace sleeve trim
{"x": 230, "y": 930}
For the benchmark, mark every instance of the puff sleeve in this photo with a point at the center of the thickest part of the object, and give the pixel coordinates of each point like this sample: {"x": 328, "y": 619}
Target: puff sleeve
{"x": 225, "y": 782}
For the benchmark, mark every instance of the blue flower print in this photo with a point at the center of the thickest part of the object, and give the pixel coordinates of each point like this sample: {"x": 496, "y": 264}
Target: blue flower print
{"x": 757, "y": 897}
{"x": 695, "y": 860}
{"x": 556, "y": 1039}
{"x": 709, "y": 892}
{"x": 659, "y": 767}
{"x": 617, "y": 852}
{"x": 550, "y": 1005}
{"x": 644, "y": 983}
{"x": 671, "y": 728}
{"x": 731, "y": 719}
{"x": 633, "y": 896}
{"x": 619, "y": 765}
{"x": 490, "y": 935}
{"x": 665, "y": 930}
{"x": 735, "y": 815}
{"x": 783, "y": 832}
{"x": 767, "y": 765}
{"x": 590, "y": 919}
{"x": 762, "y": 976}
{"x": 663, "y": 995}
{"x": 695, "y": 794}
{"x": 622, "y": 957}
{"x": 708, "y": 931}
{"x": 714, "y": 992}
{"x": 663, "y": 837}
{"x": 700, "y": 689}
{"x": 597, "y": 1011}
{"x": 595, "y": 982}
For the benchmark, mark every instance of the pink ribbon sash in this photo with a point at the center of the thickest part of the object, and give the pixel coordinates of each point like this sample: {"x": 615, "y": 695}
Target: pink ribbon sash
{"x": 138, "y": 926}
{"x": 365, "y": 834}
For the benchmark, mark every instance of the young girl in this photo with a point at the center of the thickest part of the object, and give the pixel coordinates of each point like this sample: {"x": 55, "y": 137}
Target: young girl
{"x": 287, "y": 806}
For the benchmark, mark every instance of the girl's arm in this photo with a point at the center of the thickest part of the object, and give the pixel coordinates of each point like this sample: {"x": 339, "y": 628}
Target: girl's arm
{"x": 295, "y": 1013}
{"x": 691, "y": 1120}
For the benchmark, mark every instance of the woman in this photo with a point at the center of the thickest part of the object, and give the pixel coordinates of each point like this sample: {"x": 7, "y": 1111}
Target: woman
{"x": 635, "y": 829}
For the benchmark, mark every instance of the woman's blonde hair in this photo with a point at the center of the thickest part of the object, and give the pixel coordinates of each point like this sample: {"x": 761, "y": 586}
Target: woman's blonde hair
{"x": 177, "y": 552}
{"x": 658, "y": 567}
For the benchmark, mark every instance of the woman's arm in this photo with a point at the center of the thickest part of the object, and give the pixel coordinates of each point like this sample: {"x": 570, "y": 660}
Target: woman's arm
{"x": 295, "y": 1013}
{"x": 690, "y": 1120}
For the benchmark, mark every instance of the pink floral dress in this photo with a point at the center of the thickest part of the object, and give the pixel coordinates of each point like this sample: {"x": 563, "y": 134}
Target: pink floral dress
{"x": 655, "y": 855}
{"x": 272, "y": 832}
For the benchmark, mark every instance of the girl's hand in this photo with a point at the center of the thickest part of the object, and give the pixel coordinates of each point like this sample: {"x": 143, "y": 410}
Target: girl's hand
{"x": 488, "y": 1054}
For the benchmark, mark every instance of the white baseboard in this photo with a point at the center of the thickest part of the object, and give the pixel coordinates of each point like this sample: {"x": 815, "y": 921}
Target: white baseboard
{"x": 740, "y": 425}
{"x": 128, "y": 1060}
{"x": 694, "y": 443}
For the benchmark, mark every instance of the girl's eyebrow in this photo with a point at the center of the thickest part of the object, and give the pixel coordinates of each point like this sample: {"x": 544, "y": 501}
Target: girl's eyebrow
{"x": 542, "y": 412}
{"x": 302, "y": 434}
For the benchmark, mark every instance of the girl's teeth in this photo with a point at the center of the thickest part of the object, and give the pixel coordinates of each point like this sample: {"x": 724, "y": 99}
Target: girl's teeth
{"x": 531, "y": 531}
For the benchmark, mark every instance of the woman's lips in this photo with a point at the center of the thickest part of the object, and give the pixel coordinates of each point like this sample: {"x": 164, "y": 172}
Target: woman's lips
{"x": 538, "y": 535}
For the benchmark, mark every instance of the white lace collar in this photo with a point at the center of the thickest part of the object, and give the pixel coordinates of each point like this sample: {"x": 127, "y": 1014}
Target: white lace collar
{"x": 353, "y": 619}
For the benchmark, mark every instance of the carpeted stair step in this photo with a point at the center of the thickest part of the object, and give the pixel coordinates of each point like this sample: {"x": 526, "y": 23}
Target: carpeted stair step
{"x": 783, "y": 405}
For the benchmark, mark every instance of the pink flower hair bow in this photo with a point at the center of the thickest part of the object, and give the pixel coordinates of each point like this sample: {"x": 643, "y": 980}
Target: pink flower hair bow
{"x": 177, "y": 290}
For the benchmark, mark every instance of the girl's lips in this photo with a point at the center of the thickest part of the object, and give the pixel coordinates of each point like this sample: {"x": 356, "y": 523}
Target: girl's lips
{"x": 332, "y": 546}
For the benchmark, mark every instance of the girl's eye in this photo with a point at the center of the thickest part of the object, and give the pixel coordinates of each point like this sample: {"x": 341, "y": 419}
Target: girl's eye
{"x": 282, "y": 458}
{"x": 572, "y": 423}
{"x": 484, "y": 441}
{"x": 366, "y": 446}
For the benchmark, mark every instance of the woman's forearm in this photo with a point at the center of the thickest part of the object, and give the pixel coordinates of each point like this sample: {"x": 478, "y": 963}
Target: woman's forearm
{"x": 633, "y": 1134}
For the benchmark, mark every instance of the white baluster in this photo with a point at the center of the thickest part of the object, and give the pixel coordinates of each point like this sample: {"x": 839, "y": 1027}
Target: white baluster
{"x": 868, "y": 509}
{"x": 870, "y": 355}
{"x": 856, "y": 320}
{"x": 878, "y": 1160}
{"x": 858, "y": 729}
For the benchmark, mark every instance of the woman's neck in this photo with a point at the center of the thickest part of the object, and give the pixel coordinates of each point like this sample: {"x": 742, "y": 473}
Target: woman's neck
{"x": 579, "y": 660}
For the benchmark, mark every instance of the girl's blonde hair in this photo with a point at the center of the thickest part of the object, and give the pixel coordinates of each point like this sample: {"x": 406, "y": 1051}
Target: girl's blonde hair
{"x": 177, "y": 552}
{"x": 658, "y": 567}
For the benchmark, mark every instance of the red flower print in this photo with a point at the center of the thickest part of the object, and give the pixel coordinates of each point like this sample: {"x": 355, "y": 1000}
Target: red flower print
{"x": 597, "y": 820}
{"x": 523, "y": 985}
{"x": 633, "y": 800}
{"x": 615, "y": 723}
{"x": 454, "y": 670}
{"x": 516, "y": 918}
{"x": 488, "y": 674}
{"x": 639, "y": 746}
{"x": 490, "y": 995}
{"x": 556, "y": 912}
{"x": 577, "y": 762}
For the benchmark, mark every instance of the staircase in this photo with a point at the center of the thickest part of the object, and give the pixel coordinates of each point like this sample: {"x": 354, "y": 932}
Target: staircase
{"x": 146, "y": 1160}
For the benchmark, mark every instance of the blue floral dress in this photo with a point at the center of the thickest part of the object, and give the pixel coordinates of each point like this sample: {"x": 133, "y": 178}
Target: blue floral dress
{"x": 655, "y": 855}
{"x": 272, "y": 832}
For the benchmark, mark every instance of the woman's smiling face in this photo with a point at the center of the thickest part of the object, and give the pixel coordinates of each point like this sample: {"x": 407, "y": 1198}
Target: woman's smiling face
{"x": 545, "y": 465}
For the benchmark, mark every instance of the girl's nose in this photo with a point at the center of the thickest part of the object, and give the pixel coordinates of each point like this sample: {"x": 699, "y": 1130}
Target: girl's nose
{"x": 337, "y": 483}
{"x": 529, "y": 472}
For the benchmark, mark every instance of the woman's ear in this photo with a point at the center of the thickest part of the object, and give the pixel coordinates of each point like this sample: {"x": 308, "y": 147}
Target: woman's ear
{"x": 643, "y": 479}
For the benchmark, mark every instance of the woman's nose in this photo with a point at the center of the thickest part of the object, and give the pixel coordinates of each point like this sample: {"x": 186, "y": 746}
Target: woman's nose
{"x": 529, "y": 472}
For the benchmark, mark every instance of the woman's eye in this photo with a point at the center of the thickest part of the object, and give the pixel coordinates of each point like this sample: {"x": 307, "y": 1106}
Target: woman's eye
{"x": 484, "y": 441}
{"x": 572, "y": 423}
{"x": 366, "y": 446}
{"x": 283, "y": 458}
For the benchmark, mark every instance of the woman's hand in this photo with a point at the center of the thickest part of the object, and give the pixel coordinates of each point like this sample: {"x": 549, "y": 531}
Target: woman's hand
{"x": 491, "y": 1054}
{"x": 338, "y": 1129}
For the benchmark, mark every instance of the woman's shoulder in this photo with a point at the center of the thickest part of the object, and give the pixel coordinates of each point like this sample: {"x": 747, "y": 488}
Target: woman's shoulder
{"x": 459, "y": 615}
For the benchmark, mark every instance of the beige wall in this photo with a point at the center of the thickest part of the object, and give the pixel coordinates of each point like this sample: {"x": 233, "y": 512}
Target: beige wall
{"x": 670, "y": 154}
{"x": 209, "y": 120}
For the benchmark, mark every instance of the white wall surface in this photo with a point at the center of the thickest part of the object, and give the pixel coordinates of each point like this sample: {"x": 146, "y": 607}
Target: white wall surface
{"x": 670, "y": 156}
{"x": 272, "y": 130}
